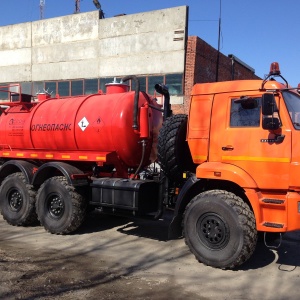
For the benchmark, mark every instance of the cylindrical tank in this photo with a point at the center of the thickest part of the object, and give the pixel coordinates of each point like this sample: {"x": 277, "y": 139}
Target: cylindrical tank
{"x": 87, "y": 123}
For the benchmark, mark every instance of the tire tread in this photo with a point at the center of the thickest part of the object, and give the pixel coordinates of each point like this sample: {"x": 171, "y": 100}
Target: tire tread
{"x": 246, "y": 220}
{"x": 78, "y": 205}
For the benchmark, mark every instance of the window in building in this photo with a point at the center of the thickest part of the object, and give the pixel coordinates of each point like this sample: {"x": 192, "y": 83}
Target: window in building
{"x": 3, "y": 89}
{"x": 152, "y": 81}
{"x": 90, "y": 86}
{"x": 50, "y": 88}
{"x": 175, "y": 83}
{"x": 37, "y": 87}
{"x": 104, "y": 81}
{"x": 63, "y": 88}
{"x": 76, "y": 87}
{"x": 143, "y": 84}
{"x": 26, "y": 88}
{"x": 245, "y": 113}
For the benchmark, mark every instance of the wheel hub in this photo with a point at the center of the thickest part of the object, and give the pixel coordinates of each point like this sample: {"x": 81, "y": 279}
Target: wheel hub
{"x": 56, "y": 206}
{"x": 213, "y": 231}
{"x": 15, "y": 200}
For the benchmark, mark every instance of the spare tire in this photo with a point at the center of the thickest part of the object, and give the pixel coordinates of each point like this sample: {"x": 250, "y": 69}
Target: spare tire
{"x": 173, "y": 151}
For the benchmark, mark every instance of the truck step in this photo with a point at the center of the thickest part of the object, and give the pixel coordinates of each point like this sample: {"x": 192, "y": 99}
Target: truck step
{"x": 273, "y": 201}
{"x": 274, "y": 225}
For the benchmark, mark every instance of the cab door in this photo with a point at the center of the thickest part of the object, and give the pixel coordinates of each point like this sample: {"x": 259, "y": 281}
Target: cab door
{"x": 244, "y": 143}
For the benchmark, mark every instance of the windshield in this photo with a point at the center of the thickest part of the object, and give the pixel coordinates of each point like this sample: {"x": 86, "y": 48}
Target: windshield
{"x": 292, "y": 101}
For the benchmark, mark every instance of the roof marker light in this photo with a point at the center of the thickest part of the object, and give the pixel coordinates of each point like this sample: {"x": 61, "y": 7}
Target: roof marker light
{"x": 274, "y": 69}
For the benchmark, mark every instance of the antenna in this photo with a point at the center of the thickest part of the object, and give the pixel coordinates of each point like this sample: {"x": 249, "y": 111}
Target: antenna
{"x": 42, "y": 8}
{"x": 77, "y": 6}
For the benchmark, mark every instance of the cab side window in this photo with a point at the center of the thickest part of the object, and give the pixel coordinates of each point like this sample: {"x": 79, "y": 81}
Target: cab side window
{"x": 245, "y": 112}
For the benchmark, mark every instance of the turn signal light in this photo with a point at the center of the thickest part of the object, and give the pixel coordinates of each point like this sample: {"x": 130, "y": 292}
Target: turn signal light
{"x": 274, "y": 69}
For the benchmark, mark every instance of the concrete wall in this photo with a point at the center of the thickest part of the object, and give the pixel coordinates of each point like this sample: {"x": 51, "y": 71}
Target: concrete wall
{"x": 15, "y": 53}
{"x": 84, "y": 46}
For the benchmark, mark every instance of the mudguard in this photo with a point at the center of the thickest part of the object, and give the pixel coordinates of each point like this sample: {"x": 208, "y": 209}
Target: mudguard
{"x": 224, "y": 171}
{"x": 13, "y": 166}
{"x": 49, "y": 169}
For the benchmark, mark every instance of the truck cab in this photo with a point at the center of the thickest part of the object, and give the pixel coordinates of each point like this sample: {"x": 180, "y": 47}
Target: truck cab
{"x": 243, "y": 138}
{"x": 231, "y": 139}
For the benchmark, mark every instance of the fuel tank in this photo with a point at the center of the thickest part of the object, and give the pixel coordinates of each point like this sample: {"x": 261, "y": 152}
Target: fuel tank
{"x": 99, "y": 122}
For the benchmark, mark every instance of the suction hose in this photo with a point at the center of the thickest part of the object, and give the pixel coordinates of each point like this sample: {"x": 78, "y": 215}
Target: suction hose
{"x": 136, "y": 99}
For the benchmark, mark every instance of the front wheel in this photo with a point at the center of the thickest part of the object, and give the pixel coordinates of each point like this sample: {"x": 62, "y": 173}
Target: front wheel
{"x": 219, "y": 229}
{"x": 60, "y": 208}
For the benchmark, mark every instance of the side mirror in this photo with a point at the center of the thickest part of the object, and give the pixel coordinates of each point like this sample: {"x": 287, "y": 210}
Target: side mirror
{"x": 268, "y": 104}
{"x": 270, "y": 123}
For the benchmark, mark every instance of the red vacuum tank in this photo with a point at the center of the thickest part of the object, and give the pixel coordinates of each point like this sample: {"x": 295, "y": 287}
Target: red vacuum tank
{"x": 96, "y": 122}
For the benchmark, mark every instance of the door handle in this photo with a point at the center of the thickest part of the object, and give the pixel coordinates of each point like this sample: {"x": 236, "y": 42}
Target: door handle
{"x": 227, "y": 148}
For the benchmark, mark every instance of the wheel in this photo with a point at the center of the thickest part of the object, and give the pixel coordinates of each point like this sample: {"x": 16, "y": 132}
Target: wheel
{"x": 60, "y": 208}
{"x": 219, "y": 229}
{"x": 17, "y": 200}
{"x": 173, "y": 152}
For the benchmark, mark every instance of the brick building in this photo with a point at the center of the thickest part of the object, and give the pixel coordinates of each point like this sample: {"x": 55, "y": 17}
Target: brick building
{"x": 201, "y": 67}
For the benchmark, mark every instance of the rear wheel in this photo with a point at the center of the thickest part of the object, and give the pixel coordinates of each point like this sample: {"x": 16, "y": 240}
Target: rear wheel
{"x": 17, "y": 200}
{"x": 219, "y": 229}
{"x": 60, "y": 208}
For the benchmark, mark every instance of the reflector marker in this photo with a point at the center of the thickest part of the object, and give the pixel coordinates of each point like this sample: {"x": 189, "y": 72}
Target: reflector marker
{"x": 102, "y": 158}
{"x": 40, "y": 154}
{"x": 260, "y": 159}
{"x": 199, "y": 158}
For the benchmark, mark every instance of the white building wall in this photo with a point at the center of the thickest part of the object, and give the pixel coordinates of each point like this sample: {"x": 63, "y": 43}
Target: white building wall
{"x": 84, "y": 46}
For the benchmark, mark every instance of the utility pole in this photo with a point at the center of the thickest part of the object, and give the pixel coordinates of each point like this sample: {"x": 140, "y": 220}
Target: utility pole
{"x": 42, "y": 7}
{"x": 219, "y": 36}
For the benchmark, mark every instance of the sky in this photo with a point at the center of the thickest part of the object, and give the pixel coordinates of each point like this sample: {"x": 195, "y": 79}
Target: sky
{"x": 258, "y": 32}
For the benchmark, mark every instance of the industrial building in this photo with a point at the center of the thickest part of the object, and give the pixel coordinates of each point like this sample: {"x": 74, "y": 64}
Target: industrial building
{"x": 80, "y": 53}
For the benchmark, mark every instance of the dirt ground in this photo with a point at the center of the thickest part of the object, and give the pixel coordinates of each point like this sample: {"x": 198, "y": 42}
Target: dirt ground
{"x": 30, "y": 273}
{"x": 116, "y": 258}
{"x": 27, "y": 274}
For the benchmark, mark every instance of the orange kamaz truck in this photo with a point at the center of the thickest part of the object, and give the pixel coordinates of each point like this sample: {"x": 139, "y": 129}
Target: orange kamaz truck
{"x": 228, "y": 170}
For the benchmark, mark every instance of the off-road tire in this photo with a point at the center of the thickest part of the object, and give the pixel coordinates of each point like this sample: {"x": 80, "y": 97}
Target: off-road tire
{"x": 60, "y": 208}
{"x": 17, "y": 200}
{"x": 173, "y": 152}
{"x": 219, "y": 228}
